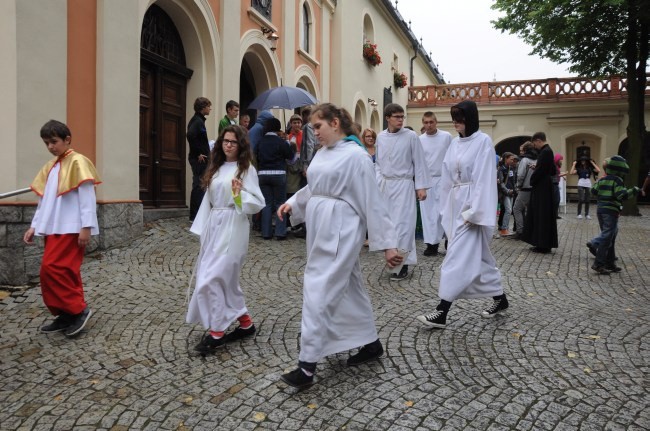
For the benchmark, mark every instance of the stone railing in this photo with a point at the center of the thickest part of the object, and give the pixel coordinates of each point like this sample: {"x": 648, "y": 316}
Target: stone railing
{"x": 515, "y": 92}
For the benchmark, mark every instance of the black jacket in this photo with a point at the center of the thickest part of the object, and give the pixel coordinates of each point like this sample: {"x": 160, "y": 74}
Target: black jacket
{"x": 272, "y": 152}
{"x": 197, "y": 137}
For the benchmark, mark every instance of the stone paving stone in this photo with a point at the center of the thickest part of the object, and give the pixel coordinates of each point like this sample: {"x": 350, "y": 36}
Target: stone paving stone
{"x": 572, "y": 353}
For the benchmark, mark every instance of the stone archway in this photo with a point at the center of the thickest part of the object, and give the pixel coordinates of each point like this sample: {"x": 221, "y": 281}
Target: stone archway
{"x": 258, "y": 71}
{"x": 374, "y": 121}
{"x": 511, "y": 144}
{"x": 360, "y": 114}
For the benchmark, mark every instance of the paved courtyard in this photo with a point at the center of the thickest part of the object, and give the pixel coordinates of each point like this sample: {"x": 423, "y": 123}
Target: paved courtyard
{"x": 573, "y": 352}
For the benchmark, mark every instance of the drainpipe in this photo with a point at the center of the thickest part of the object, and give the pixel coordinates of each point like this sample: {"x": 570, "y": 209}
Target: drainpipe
{"x": 415, "y": 49}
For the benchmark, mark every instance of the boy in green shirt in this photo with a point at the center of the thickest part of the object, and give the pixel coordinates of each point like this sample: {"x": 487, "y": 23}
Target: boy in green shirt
{"x": 611, "y": 193}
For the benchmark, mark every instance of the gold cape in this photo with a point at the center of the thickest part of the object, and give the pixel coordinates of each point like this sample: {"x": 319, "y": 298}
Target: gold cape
{"x": 75, "y": 170}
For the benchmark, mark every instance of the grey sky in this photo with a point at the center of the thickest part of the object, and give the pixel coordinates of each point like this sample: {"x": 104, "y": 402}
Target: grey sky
{"x": 466, "y": 46}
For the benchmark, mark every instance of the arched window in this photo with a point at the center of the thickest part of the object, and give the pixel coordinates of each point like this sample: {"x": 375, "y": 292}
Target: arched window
{"x": 368, "y": 30}
{"x": 306, "y": 28}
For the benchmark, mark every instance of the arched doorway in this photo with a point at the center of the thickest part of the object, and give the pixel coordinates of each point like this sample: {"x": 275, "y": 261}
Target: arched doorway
{"x": 247, "y": 91}
{"x": 163, "y": 83}
{"x": 257, "y": 71}
{"x": 360, "y": 114}
{"x": 511, "y": 145}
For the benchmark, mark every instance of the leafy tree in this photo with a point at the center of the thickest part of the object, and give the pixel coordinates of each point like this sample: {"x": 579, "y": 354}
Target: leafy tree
{"x": 597, "y": 38}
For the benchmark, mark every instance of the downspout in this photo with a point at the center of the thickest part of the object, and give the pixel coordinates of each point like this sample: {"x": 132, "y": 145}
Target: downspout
{"x": 415, "y": 48}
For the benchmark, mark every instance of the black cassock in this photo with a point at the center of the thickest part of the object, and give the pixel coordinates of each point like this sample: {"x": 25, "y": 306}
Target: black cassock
{"x": 540, "y": 228}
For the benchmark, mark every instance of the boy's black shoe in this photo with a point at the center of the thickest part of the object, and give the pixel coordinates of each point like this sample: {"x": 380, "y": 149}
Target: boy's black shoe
{"x": 240, "y": 333}
{"x": 431, "y": 250}
{"x": 613, "y": 268}
{"x": 367, "y": 353}
{"x": 600, "y": 269}
{"x": 498, "y": 306}
{"x": 297, "y": 378}
{"x": 437, "y": 319}
{"x": 403, "y": 273}
{"x": 60, "y": 323}
{"x": 79, "y": 322}
{"x": 592, "y": 249}
{"x": 209, "y": 344}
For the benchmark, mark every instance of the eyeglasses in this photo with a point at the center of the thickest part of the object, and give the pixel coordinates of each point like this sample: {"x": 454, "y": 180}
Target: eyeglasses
{"x": 229, "y": 142}
{"x": 399, "y": 117}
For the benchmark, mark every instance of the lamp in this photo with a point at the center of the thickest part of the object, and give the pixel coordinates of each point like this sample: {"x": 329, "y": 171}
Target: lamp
{"x": 272, "y": 36}
{"x": 372, "y": 102}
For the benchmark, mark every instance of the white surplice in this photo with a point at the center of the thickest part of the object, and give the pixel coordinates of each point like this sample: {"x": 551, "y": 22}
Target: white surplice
{"x": 400, "y": 160}
{"x": 434, "y": 147}
{"x": 67, "y": 213}
{"x": 218, "y": 299}
{"x": 469, "y": 194}
{"x": 340, "y": 201}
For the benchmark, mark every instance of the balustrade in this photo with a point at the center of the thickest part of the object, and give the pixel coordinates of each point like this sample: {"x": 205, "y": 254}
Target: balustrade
{"x": 513, "y": 92}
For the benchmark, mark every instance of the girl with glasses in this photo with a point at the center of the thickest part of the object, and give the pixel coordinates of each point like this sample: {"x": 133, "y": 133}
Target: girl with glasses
{"x": 232, "y": 192}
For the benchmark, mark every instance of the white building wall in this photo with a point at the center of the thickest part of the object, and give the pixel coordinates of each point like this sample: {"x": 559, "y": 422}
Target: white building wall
{"x": 33, "y": 79}
{"x": 9, "y": 99}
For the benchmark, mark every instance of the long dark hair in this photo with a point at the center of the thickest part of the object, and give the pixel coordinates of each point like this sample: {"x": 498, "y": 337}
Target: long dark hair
{"x": 218, "y": 157}
{"x": 329, "y": 111}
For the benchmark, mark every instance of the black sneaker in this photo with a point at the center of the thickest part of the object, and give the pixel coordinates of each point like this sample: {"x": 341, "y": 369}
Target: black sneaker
{"x": 367, "y": 353}
{"x": 78, "y": 322}
{"x": 431, "y": 250}
{"x": 297, "y": 378}
{"x": 613, "y": 268}
{"x": 498, "y": 306}
{"x": 209, "y": 344}
{"x": 240, "y": 333}
{"x": 403, "y": 273}
{"x": 437, "y": 319}
{"x": 600, "y": 269}
{"x": 60, "y": 323}
{"x": 592, "y": 248}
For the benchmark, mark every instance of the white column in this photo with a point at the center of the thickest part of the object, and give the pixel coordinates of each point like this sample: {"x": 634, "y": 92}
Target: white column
{"x": 326, "y": 70}
{"x": 35, "y": 88}
{"x": 9, "y": 99}
{"x": 288, "y": 41}
{"x": 118, "y": 87}
{"x": 230, "y": 61}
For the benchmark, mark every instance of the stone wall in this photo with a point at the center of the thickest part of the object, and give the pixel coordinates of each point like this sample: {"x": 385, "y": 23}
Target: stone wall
{"x": 20, "y": 263}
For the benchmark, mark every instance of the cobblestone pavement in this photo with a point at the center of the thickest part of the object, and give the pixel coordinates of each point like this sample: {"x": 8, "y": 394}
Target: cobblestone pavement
{"x": 573, "y": 353}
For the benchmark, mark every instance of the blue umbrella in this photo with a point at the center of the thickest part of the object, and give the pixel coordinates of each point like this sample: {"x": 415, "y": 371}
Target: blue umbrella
{"x": 284, "y": 98}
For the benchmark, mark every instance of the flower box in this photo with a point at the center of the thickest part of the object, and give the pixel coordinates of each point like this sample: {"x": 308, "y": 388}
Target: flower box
{"x": 400, "y": 80}
{"x": 370, "y": 54}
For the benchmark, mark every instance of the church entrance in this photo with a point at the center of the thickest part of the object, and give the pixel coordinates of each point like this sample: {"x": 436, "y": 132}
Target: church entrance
{"x": 163, "y": 82}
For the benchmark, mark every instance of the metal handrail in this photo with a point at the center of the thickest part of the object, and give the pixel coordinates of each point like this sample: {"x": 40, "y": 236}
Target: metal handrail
{"x": 15, "y": 192}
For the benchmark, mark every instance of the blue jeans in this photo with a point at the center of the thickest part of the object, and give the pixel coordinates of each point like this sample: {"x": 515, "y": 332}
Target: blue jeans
{"x": 274, "y": 189}
{"x": 605, "y": 242}
{"x": 507, "y": 209}
{"x": 584, "y": 194}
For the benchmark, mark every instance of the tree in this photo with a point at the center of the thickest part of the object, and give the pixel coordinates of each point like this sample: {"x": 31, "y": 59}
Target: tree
{"x": 597, "y": 38}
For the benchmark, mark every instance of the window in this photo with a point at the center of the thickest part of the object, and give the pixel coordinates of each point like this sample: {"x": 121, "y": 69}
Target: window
{"x": 306, "y": 28}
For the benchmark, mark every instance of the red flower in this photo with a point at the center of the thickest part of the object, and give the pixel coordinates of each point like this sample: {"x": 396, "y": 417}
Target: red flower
{"x": 400, "y": 80}
{"x": 371, "y": 54}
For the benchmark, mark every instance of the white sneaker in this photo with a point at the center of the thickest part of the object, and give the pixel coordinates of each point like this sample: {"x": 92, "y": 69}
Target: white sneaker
{"x": 579, "y": 216}
{"x": 588, "y": 217}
